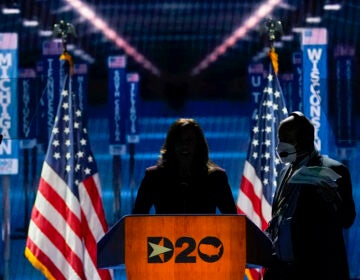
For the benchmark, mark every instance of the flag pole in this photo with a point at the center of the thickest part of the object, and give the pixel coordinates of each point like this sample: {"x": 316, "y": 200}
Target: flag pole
{"x": 68, "y": 216}
{"x": 21, "y": 232}
{"x": 257, "y": 207}
{"x": 132, "y": 173}
{"x": 26, "y": 186}
{"x": 117, "y": 186}
{"x": 33, "y": 177}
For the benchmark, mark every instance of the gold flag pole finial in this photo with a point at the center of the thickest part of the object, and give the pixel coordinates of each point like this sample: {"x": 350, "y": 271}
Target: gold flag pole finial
{"x": 273, "y": 27}
{"x": 63, "y": 30}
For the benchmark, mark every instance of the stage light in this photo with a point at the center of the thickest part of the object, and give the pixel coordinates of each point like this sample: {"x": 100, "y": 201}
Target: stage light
{"x": 30, "y": 23}
{"x": 329, "y": 6}
{"x": 287, "y": 38}
{"x": 279, "y": 44}
{"x": 70, "y": 47}
{"x": 10, "y": 11}
{"x": 313, "y": 19}
{"x": 297, "y": 29}
{"x": 79, "y": 52}
{"x": 11, "y": 8}
{"x": 45, "y": 33}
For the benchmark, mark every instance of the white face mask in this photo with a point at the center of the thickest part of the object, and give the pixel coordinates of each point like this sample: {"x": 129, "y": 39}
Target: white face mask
{"x": 286, "y": 152}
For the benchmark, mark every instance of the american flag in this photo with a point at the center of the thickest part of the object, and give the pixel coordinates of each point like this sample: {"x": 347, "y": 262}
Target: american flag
{"x": 261, "y": 167}
{"x": 68, "y": 217}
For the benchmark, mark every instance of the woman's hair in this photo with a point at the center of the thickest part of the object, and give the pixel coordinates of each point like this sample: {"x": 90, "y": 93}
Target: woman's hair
{"x": 167, "y": 152}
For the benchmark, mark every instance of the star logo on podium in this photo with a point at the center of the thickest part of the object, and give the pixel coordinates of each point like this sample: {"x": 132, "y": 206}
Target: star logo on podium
{"x": 160, "y": 249}
{"x": 157, "y": 249}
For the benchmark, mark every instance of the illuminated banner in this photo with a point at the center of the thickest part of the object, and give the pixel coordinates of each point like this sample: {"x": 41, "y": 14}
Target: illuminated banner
{"x": 80, "y": 82}
{"x": 51, "y": 63}
{"x": 27, "y": 96}
{"x": 9, "y": 148}
{"x": 315, "y": 96}
{"x": 256, "y": 84}
{"x": 117, "y": 103}
{"x": 132, "y": 119}
{"x": 345, "y": 116}
{"x": 297, "y": 84}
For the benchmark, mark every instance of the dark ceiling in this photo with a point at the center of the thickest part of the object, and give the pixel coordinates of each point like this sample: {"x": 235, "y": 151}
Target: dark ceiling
{"x": 175, "y": 36}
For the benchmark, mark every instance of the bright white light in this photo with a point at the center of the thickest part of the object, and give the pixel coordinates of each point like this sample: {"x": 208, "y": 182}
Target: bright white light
{"x": 287, "y": 38}
{"x": 240, "y": 32}
{"x": 110, "y": 34}
{"x": 87, "y": 12}
{"x": 250, "y": 22}
{"x": 99, "y": 23}
{"x": 313, "y": 19}
{"x": 87, "y": 58}
{"x": 10, "y": 11}
{"x": 260, "y": 55}
{"x": 332, "y": 7}
{"x": 70, "y": 47}
{"x": 298, "y": 29}
{"x": 78, "y": 52}
{"x": 30, "y": 23}
{"x": 279, "y": 44}
{"x": 75, "y": 3}
{"x": 265, "y": 9}
{"x": 45, "y": 33}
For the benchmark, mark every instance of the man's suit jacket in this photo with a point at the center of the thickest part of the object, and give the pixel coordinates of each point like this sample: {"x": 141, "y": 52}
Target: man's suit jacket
{"x": 319, "y": 216}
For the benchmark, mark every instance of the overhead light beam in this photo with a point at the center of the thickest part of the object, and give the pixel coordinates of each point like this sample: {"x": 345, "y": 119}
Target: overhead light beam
{"x": 85, "y": 11}
{"x": 263, "y": 11}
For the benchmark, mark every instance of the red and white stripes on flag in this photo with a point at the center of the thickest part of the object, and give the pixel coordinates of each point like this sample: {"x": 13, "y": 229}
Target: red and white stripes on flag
{"x": 261, "y": 167}
{"x": 259, "y": 178}
{"x": 68, "y": 217}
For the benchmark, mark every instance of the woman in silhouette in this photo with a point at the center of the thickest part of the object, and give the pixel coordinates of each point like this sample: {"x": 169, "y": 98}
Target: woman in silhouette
{"x": 185, "y": 180}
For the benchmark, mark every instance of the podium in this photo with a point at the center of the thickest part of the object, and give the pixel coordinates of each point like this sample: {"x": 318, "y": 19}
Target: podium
{"x": 183, "y": 247}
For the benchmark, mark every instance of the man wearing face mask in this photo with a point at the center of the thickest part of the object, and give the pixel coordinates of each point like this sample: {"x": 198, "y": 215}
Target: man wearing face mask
{"x": 312, "y": 205}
